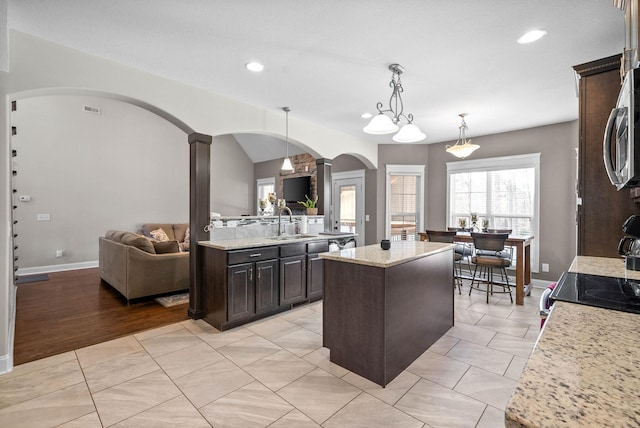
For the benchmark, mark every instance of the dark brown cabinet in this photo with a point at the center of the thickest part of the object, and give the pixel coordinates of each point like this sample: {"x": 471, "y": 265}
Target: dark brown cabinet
{"x": 241, "y": 291}
{"x": 315, "y": 269}
{"x": 293, "y": 277}
{"x": 314, "y": 277}
{"x": 603, "y": 208}
{"x": 266, "y": 286}
{"x": 244, "y": 285}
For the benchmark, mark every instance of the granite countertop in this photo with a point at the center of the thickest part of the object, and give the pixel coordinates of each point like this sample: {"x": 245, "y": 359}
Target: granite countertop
{"x": 585, "y": 367}
{"x": 265, "y": 241}
{"x": 400, "y": 252}
{"x": 603, "y": 266}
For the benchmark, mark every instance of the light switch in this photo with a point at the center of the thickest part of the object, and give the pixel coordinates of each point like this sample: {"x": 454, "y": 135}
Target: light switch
{"x": 43, "y": 217}
{"x": 366, "y": 217}
{"x": 24, "y": 198}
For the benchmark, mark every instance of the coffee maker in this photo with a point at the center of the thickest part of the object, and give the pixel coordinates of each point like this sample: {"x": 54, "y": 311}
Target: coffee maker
{"x": 629, "y": 246}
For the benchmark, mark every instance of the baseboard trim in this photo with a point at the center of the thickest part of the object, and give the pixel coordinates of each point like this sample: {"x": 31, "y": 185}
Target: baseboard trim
{"x": 57, "y": 268}
{"x": 6, "y": 364}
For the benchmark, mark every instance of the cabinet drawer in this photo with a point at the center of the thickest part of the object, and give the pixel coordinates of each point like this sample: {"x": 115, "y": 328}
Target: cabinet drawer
{"x": 293, "y": 249}
{"x": 252, "y": 255}
{"x": 318, "y": 246}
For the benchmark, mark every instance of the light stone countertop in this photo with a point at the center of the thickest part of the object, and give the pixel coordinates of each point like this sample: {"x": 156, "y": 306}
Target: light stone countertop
{"x": 585, "y": 368}
{"x": 400, "y": 252}
{"x": 265, "y": 241}
{"x": 603, "y": 266}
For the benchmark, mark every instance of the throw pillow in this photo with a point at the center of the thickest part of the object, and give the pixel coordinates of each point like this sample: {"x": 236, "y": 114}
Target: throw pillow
{"x": 184, "y": 246}
{"x": 159, "y": 235}
{"x": 136, "y": 241}
{"x": 166, "y": 247}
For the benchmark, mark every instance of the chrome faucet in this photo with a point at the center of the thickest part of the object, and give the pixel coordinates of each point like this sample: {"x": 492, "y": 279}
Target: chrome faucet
{"x": 280, "y": 218}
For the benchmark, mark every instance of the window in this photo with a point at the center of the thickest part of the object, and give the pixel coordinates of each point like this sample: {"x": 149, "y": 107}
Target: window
{"x": 264, "y": 186}
{"x": 405, "y": 196}
{"x": 503, "y": 191}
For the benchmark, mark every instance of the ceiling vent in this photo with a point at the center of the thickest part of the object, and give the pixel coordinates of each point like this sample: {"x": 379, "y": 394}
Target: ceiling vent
{"x": 91, "y": 109}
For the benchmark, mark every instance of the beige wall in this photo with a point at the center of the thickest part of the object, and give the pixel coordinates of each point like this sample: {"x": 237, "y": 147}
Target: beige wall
{"x": 7, "y": 289}
{"x": 117, "y": 170}
{"x": 557, "y": 144}
{"x": 232, "y": 184}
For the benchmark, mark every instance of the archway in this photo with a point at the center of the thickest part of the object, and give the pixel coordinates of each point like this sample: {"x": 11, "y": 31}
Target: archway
{"x": 199, "y": 182}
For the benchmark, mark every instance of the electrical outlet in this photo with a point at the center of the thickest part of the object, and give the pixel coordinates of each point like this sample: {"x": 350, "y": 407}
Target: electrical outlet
{"x": 545, "y": 267}
{"x": 59, "y": 253}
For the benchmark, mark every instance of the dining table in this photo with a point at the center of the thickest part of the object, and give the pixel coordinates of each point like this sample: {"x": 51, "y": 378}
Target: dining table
{"x": 522, "y": 244}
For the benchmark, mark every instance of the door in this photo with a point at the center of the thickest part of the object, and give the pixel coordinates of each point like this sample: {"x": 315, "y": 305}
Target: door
{"x": 266, "y": 286}
{"x": 314, "y": 277}
{"x": 293, "y": 279}
{"x": 348, "y": 204}
{"x": 241, "y": 289}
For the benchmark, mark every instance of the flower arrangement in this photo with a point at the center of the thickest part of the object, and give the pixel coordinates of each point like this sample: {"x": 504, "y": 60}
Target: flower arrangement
{"x": 309, "y": 203}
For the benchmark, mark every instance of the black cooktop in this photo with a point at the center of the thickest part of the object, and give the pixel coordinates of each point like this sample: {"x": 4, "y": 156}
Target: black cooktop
{"x": 602, "y": 291}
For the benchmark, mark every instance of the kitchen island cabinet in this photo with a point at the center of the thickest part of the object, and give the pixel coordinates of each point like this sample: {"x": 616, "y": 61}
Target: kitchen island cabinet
{"x": 383, "y": 309}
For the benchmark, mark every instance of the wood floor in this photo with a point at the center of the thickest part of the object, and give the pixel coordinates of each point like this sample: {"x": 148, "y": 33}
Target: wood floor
{"x": 74, "y": 309}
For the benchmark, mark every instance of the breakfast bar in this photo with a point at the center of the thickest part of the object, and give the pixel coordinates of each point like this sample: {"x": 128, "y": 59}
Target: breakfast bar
{"x": 384, "y": 308}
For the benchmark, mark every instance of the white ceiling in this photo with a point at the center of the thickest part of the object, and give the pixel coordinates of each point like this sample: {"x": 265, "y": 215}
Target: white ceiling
{"x": 328, "y": 59}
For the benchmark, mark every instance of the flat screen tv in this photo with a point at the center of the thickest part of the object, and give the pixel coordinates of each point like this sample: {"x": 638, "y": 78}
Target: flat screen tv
{"x": 296, "y": 188}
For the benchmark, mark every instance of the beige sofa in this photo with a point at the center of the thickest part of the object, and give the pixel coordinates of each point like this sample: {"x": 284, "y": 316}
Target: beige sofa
{"x": 138, "y": 267}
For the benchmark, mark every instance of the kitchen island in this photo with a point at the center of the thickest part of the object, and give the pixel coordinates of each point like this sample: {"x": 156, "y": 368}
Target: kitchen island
{"x": 585, "y": 367}
{"x": 383, "y": 308}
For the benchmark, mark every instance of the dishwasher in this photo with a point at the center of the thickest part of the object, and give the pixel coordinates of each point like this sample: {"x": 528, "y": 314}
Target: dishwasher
{"x": 341, "y": 241}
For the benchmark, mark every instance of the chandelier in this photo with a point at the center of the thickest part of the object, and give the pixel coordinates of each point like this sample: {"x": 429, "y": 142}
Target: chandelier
{"x": 286, "y": 165}
{"x": 383, "y": 124}
{"x": 463, "y": 147}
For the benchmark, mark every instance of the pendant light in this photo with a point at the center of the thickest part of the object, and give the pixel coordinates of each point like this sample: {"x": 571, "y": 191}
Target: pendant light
{"x": 287, "y": 165}
{"x": 383, "y": 124}
{"x": 463, "y": 147}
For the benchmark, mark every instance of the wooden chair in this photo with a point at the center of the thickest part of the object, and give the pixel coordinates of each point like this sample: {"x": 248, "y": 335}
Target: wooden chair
{"x": 447, "y": 236}
{"x": 489, "y": 246}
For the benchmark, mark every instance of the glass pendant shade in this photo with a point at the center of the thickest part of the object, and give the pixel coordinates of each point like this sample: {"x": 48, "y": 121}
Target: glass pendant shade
{"x": 463, "y": 147}
{"x": 380, "y": 124}
{"x": 286, "y": 165}
{"x": 462, "y": 150}
{"x": 409, "y": 133}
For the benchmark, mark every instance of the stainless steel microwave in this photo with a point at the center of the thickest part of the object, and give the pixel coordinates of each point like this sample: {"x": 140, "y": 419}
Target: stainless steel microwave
{"x": 620, "y": 150}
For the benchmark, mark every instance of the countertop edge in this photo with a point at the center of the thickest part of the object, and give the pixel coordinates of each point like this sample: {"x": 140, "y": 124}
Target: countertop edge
{"x": 347, "y": 256}
{"x": 263, "y": 241}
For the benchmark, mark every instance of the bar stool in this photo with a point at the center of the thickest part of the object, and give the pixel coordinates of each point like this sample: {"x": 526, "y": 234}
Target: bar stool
{"x": 447, "y": 236}
{"x": 488, "y": 249}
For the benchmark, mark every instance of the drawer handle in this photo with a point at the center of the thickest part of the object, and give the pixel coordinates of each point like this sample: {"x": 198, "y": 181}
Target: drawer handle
{"x": 255, "y": 255}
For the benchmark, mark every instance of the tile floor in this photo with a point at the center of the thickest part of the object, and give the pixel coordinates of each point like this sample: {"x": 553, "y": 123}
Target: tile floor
{"x": 276, "y": 373}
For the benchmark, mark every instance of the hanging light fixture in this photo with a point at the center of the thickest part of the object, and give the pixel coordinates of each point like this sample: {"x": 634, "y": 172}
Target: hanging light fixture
{"x": 463, "y": 147}
{"x": 286, "y": 165}
{"x": 382, "y": 124}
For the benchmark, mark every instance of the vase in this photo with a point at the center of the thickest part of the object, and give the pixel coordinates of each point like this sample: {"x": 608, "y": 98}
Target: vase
{"x": 312, "y": 211}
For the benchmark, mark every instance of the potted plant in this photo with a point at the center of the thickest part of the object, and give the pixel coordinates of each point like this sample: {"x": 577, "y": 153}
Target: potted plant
{"x": 310, "y": 205}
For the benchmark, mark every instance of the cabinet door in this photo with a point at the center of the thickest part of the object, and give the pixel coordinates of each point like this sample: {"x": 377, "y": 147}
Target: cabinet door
{"x": 266, "y": 286}
{"x": 293, "y": 279}
{"x": 314, "y": 277}
{"x": 241, "y": 298}
{"x": 603, "y": 208}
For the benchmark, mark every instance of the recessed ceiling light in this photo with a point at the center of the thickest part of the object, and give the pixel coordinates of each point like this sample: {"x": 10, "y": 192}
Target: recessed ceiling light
{"x": 254, "y": 66}
{"x": 532, "y": 36}
{"x": 366, "y": 115}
